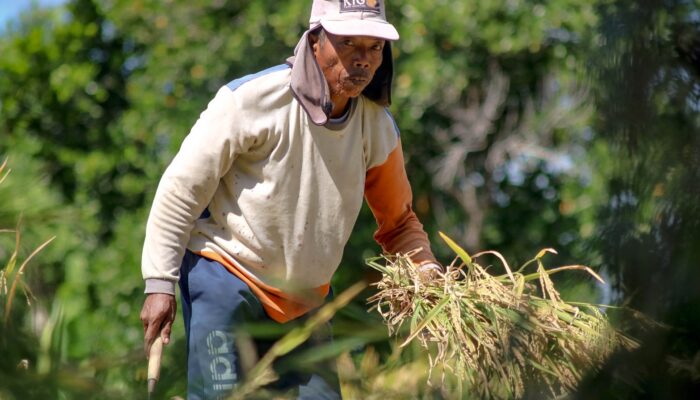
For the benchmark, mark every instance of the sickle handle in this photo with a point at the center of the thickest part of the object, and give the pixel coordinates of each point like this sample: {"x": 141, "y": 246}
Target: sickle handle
{"x": 154, "y": 355}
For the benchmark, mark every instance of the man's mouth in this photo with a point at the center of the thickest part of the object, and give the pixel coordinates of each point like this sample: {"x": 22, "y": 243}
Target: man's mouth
{"x": 358, "y": 79}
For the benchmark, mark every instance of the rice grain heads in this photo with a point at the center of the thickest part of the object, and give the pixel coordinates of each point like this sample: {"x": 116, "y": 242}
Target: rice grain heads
{"x": 498, "y": 335}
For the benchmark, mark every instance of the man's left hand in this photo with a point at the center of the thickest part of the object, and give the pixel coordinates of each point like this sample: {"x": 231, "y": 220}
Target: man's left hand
{"x": 429, "y": 272}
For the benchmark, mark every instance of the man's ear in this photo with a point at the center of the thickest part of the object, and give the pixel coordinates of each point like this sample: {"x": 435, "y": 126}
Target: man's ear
{"x": 313, "y": 40}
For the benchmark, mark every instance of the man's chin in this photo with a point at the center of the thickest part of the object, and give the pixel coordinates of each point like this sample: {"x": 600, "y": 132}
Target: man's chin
{"x": 354, "y": 92}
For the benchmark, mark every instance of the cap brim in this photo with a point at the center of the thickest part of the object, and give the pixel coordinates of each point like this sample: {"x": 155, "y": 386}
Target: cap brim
{"x": 382, "y": 30}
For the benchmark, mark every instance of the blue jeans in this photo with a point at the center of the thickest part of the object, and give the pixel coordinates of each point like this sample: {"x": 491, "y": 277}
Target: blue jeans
{"x": 214, "y": 304}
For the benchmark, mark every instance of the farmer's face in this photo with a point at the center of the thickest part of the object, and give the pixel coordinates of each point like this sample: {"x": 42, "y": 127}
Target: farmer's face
{"x": 348, "y": 63}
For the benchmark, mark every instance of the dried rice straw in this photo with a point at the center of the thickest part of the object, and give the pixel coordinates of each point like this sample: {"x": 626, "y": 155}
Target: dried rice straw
{"x": 496, "y": 333}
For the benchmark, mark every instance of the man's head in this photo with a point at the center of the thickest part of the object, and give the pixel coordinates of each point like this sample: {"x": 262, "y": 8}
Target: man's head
{"x": 348, "y": 39}
{"x": 347, "y": 62}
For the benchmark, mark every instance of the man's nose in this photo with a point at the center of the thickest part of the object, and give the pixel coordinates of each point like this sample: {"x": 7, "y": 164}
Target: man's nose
{"x": 361, "y": 60}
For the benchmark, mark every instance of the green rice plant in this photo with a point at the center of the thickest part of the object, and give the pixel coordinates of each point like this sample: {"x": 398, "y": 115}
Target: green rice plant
{"x": 11, "y": 274}
{"x": 31, "y": 366}
{"x": 402, "y": 373}
{"x": 497, "y": 334}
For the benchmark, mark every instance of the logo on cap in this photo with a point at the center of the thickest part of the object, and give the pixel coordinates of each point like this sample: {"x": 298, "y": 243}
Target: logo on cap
{"x": 360, "y": 5}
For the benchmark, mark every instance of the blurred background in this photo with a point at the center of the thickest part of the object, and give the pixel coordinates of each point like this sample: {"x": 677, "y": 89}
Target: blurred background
{"x": 525, "y": 124}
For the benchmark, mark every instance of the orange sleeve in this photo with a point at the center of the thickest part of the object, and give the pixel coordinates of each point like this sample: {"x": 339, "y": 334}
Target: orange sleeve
{"x": 388, "y": 194}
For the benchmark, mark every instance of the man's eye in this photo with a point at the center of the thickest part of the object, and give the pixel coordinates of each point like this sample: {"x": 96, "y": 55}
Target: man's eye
{"x": 377, "y": 47}
{"x": 347, "y": 42}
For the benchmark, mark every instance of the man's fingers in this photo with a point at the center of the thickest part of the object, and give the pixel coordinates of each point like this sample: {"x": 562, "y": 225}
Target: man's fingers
{"x": 429, "y": 271}
{"x": 165, "y": 332}
{"x": 157, "y": 315}
{"x": 144, "y": 320}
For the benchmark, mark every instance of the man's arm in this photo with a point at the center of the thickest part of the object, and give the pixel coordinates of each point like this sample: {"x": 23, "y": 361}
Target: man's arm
{"x": 184, "y": 191}
{"x": 388, "y": 194}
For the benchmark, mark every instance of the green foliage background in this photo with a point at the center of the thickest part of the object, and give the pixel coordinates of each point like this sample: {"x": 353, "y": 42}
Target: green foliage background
{"x": 599, "y": 115}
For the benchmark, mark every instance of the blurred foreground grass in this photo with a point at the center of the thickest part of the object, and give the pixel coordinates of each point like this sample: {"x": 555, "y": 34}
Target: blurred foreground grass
{"x": 34, "y": 364}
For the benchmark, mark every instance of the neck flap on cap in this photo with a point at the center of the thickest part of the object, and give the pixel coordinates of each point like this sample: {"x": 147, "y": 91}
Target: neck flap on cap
{"x": 311, "y": 89}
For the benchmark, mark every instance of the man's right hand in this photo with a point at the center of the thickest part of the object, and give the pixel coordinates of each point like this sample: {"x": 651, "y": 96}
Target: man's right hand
{"x": 157, "y": 315}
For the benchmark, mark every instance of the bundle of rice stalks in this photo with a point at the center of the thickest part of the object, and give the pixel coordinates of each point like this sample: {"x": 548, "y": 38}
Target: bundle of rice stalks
{"x": 497, "y": 334}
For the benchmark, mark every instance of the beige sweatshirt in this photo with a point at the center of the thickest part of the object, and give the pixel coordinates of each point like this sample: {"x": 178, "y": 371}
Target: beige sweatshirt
{"x": 282, "y": 193}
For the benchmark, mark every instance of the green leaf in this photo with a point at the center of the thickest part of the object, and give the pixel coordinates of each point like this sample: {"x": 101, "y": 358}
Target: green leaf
{"x": 429, "y": 317}
{"x": 455, "y": 247}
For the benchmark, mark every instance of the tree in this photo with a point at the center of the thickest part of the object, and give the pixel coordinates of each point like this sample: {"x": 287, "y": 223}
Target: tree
{"x": 648, "y": 96}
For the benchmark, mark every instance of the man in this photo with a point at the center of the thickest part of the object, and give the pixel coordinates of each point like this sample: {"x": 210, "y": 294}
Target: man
{"x": 253, "y": 212}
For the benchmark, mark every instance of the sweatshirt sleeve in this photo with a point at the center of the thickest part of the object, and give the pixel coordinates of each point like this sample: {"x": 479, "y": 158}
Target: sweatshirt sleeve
{"x": 388, "y": 194}
{"x": 186, "y": 188}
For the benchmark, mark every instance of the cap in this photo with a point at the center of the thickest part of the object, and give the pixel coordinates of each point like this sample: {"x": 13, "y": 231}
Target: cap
{"x": 352, "y": 18}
